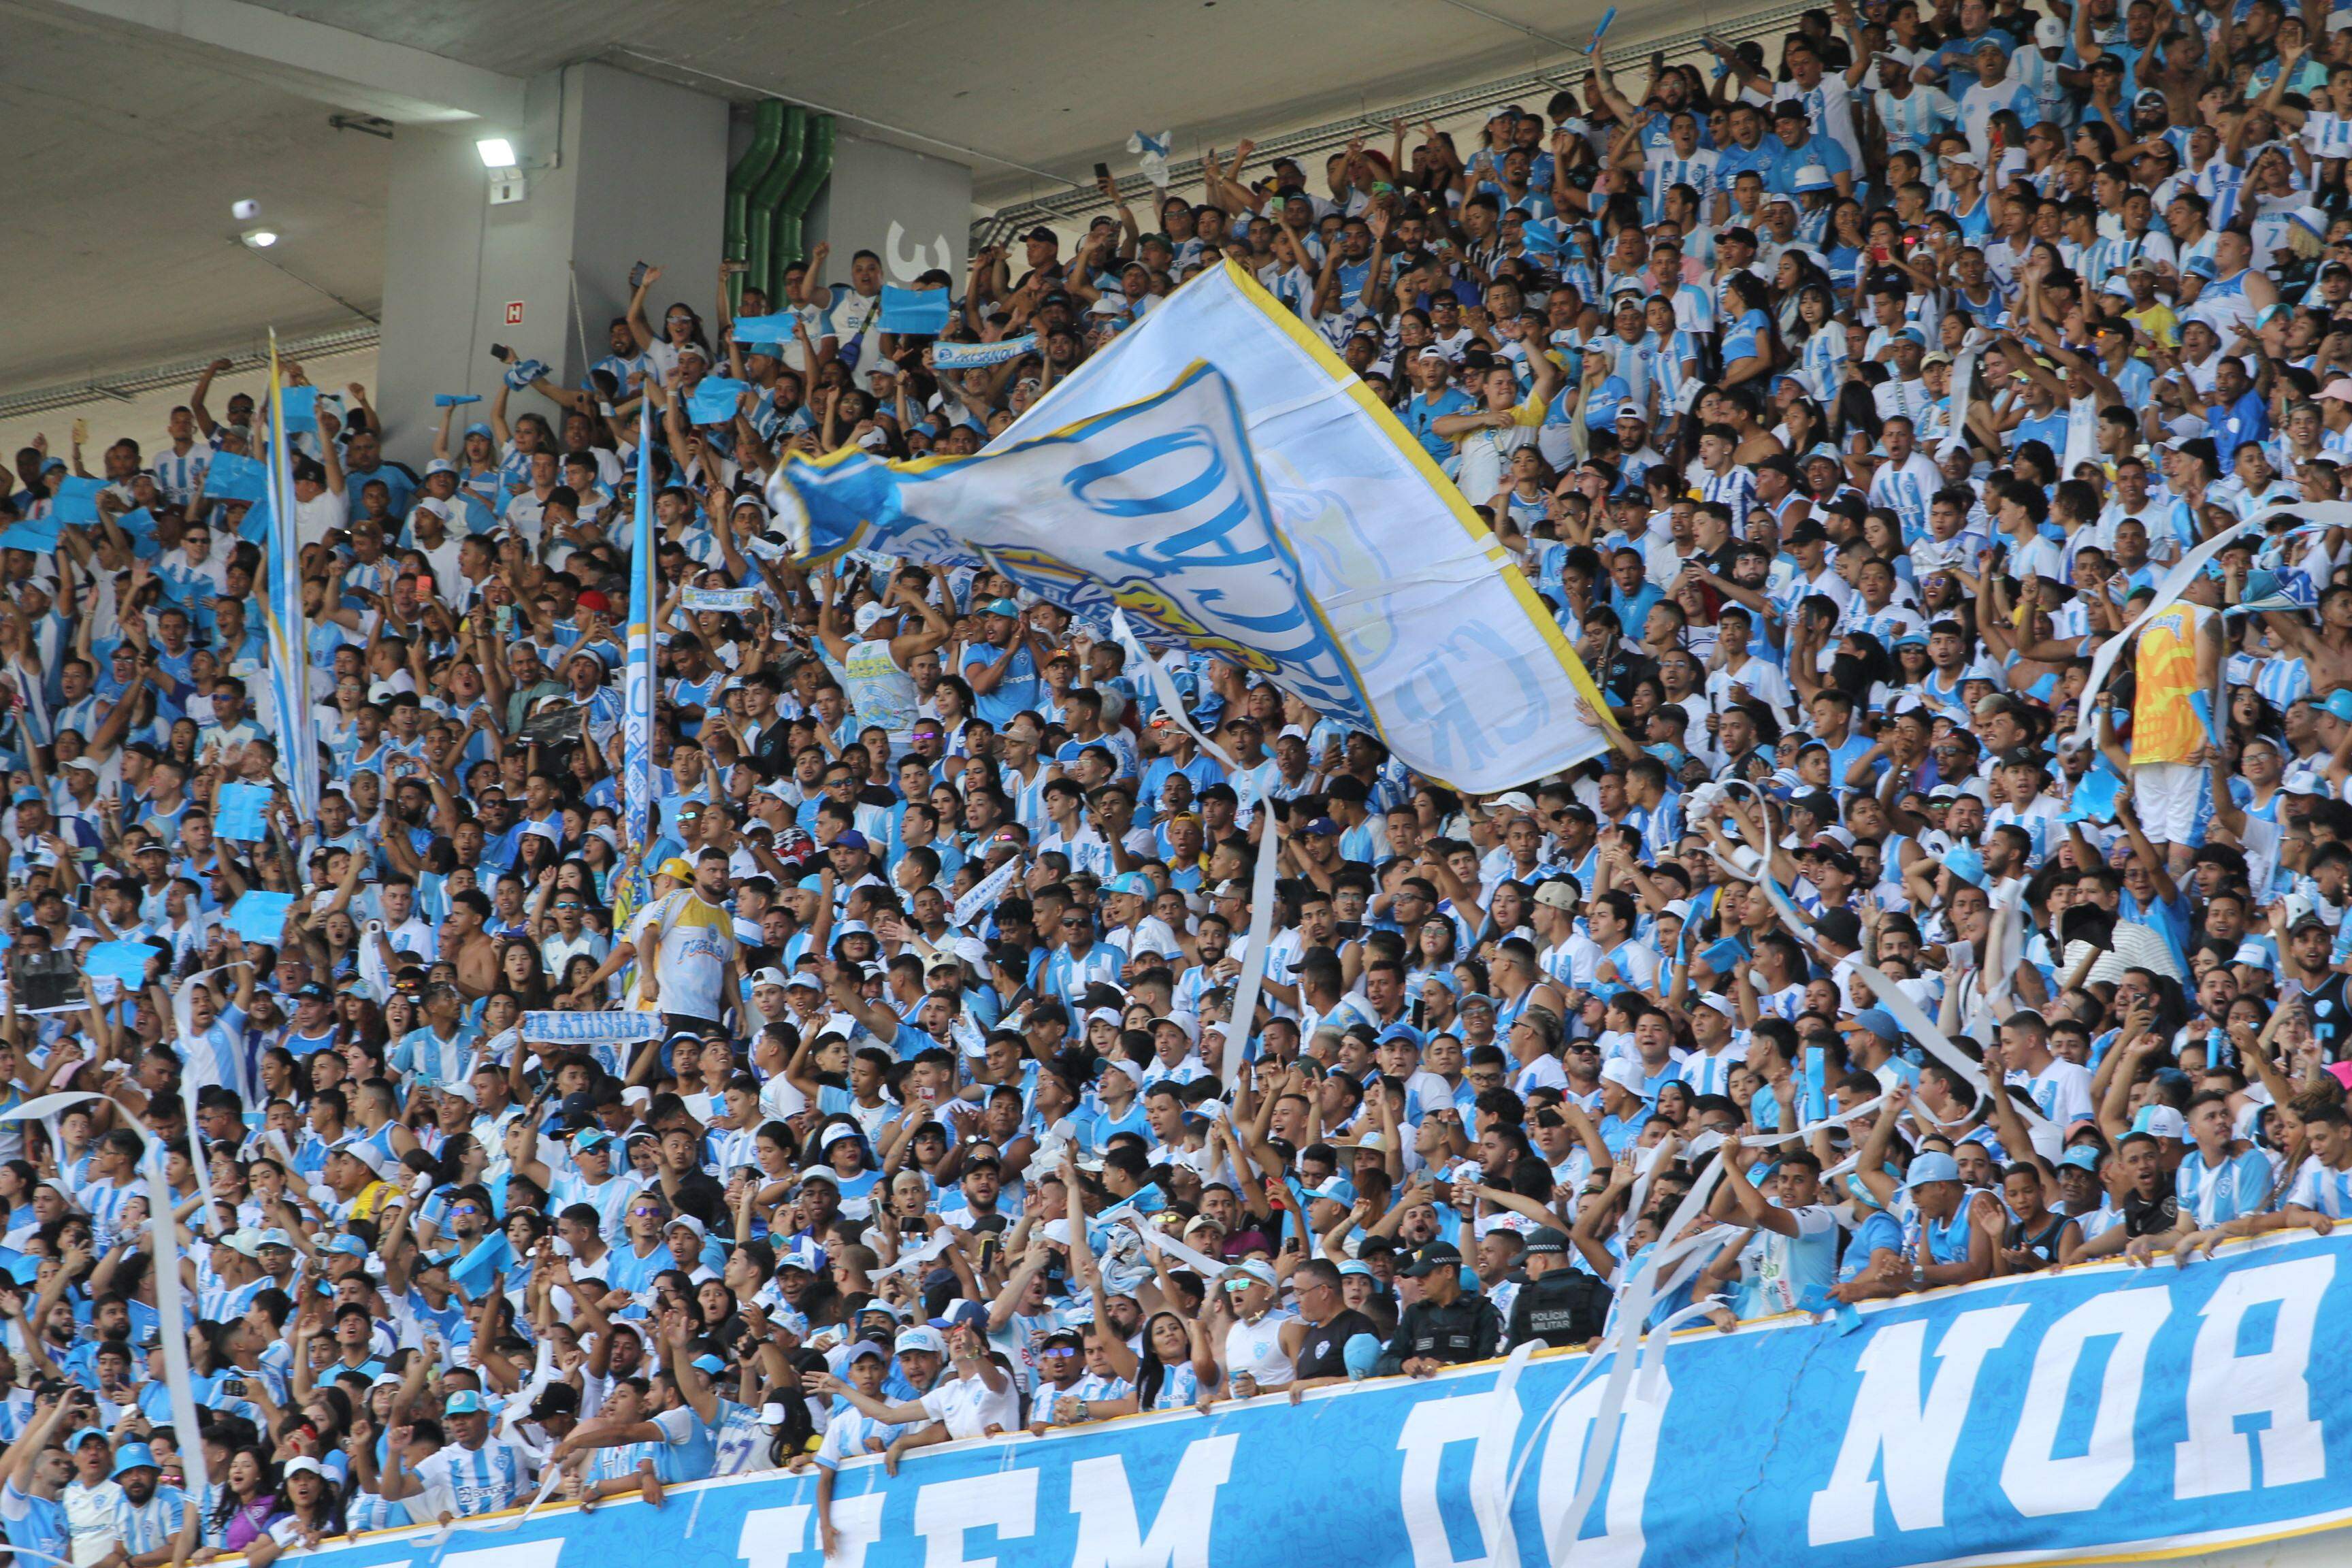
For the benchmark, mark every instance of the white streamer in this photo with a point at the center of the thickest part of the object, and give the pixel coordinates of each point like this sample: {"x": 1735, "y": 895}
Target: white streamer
{"x": 1261, "y": 926}
{"x": 910, "y": 1261}
{"x": 1963, "y": 384}
{"x": 183, "y": 1002}
{"x": 1200, "y": 1263}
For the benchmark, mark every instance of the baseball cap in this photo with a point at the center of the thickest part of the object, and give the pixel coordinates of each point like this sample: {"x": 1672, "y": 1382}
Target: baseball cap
{"x": 465, "y": 1402}
{"x": 1431, "y": 1258}
{"x": 921, "y": 1337}
{"x": 1929, "y": 1168}
{"x": 1880, "y": 1021}
{"x": 676, "y": 866}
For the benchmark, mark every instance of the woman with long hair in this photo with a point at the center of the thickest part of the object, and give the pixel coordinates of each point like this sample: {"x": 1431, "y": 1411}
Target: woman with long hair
{"x": 524, "y": 974}
{"x": 247, "y": 1502}
{"x": 312, "y": 1513}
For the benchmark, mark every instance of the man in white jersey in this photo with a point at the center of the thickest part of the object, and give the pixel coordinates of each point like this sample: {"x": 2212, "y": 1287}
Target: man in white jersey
{"x": 479, "y": 1473}
{"x": 686, "y": 950}
{"x": 874, "y": 664}
{"x": 1793, "y": 1250}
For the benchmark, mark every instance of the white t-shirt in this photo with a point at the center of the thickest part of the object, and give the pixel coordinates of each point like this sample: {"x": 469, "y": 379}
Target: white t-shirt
{"x": 969, "y": 1408}
{"x": 696, "y": 941}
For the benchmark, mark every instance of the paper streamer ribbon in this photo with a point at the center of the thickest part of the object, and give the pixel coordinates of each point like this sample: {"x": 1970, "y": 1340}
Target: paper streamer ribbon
{"x": 1635, "y": 1297}
{"x": 1262, "y": 880}
{"x": 183, "y": 1002}
{"x": 910, "y": 1261}
{"x": 1200, "y": 1263}
{"x": 171, "y": 1314}
{"x": 984, "y": 894}
{"x": 1963, "y": 384}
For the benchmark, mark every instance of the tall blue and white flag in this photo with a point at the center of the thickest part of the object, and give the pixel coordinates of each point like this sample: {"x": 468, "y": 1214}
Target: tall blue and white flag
{"x": 281, "y": 615}
{"x": 638, "y": 689}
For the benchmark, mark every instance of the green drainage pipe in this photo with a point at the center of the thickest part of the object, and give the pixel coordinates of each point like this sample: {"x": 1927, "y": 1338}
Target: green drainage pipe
{"x": 815, "y": 168}
{"x": 767, "y": 135}
{"x": 759, "y": 212}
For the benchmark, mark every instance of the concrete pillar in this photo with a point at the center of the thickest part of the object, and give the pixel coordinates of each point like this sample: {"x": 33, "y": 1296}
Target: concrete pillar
{"x": 639, "y": 173}
{"x": 912, "y": 210}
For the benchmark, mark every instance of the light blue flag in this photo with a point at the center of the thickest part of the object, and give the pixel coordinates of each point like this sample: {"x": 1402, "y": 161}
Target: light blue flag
{"x": 715, "y": 399}
{"x": 237, "y": 813}
{"x": 764, "y": 329}
{"x": 914, "y": 313}
{"x": 455, "y": 399}
{"x": 234, "y": 478}
{"x": 124, "y": 961}
{"x": 261, "y": 917}
{"x": 76, "y": 500}
{"x": 301, "y": 409}
{"x": 38, "y": 534}
{"x": 2094, "y": 799}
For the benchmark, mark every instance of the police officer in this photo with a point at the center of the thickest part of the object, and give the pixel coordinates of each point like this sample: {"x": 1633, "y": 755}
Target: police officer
{"x": 1559, "y": 1305}
{"x": 1332, "y": 1326}
{"x": 1448, "y": 1326}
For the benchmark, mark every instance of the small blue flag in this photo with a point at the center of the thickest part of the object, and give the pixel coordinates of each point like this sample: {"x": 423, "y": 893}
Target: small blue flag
{"x": 715, "y": 399}
{"x": 237, "y": 813}
{"x": 125, "y": 961}
{"x": 301, "y": 408}
{"x": 764, "y": 329}
{"x": 76, "y": 500}
{"x": 261, "y": 917}
{"x": 455, "y": 399}
{"x": 234, "y": 477}
{"x": 39, "y": 534}
{"x": 914, "y": 313}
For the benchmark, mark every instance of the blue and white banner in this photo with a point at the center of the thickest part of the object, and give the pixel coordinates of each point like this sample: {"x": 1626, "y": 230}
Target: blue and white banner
{"x": 2103, "y": 1413}
{"x": 980, "y": 356}
{"x": 590, "y": 1029}
{"x": 1154, "y": 507}
{"x": 724, "y": 600}
{"x": 1468, "y": 674}
{"x": 983, "y": 894}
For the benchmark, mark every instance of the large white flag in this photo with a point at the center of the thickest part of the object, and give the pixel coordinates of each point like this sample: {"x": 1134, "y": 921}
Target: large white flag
{"x": 1470, "y": 676}
{"x": 1153, "y": 507}
{"x": 1225, "y": 481}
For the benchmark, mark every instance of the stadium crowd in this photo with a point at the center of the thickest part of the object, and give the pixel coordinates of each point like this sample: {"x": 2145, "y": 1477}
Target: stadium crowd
{"x": 1842, "y": 406}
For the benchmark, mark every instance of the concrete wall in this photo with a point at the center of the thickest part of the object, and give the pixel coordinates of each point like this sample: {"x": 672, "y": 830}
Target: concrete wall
{"x": 143, "y": 417}
{"x": 641, "y": 176}
{"x": 913, "y": 211}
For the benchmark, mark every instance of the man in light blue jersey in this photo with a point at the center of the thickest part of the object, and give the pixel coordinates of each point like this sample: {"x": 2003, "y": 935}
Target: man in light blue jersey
{"x": 480, "y": 1473}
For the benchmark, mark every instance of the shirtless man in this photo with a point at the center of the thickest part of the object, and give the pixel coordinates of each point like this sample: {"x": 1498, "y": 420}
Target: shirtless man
{"x": 2327, "y": 652}
{"x": 466, "y": 944}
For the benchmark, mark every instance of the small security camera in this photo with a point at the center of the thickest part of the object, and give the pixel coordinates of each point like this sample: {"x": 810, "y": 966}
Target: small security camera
{"x": 244, "y": 211}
